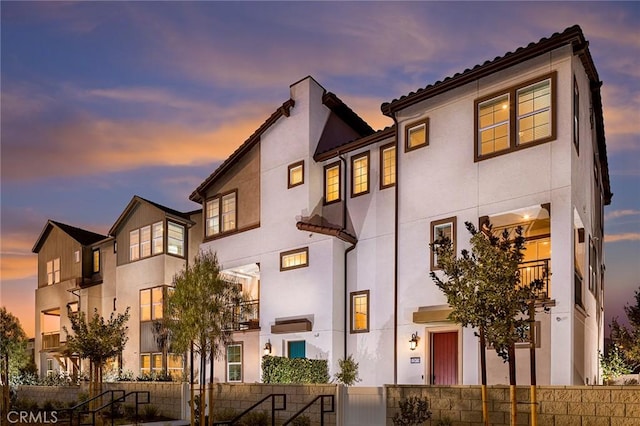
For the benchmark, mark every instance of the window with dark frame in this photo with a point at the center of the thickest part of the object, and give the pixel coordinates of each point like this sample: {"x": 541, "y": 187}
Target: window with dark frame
{"x": 293, "y": 259}
{"x": 515, "y": 118}
{"x": 234, "y": 362}
{"x": 360, "y": 174}
{"x": 295, "y": 174}
{"x": 442, "y": 228}
{"x": 387, "y": 166}
{"x": 360, "y": 311}
{"x": 221, "y": 214}
{"x": 95, "y": 258}
{"x": 416, "y": 134}
{"x": 332, "y": 183}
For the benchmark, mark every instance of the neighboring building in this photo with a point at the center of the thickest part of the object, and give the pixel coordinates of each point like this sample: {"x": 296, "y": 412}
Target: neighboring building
{"x": 326, "y": 224}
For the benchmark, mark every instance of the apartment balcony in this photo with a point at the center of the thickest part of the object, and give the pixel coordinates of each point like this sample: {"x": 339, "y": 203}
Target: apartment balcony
{"x": 51, "y": 340}
{"x": 246, "y": 316}
{"x": 537, "y": 270}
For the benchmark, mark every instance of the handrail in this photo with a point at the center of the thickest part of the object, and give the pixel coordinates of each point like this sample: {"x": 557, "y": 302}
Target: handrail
{"x": 122, "y": 399}
{"x": 111, "y": 403}
{"x": 273, "y": 409}
{"x": 72, "y": 409}
{"x": 322, "y": 409}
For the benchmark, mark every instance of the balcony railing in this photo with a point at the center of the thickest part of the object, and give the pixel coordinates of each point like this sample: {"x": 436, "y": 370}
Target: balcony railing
{"x": 246, "y": 316}
{"x": 51, "y": 340}
{"x": 537, "y": 270}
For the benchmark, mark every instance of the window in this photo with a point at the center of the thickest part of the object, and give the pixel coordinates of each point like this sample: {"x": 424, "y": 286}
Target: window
{"x": 221, "y": 214}
{"x": 234, "y": 362}
{"x": 158, "y": 235}
{"x": 145, "y": 364}
{"x": 175, "y": 239}
{"x": 96, "y": 261}
{"x": 50, "y": 370}
{"x": 145, "y": 241}
{"x": 134, "y": 245}
{"x": 150, "y": 362}
{"x": 387, "y": 166}
{"x": 296, "y": 349}
{"x": 76, "y": 256}
{"x": 360, "y": 174}
{"x": 576, "y": 115}
{"x": 442, "y": 228}
{"x": 293, "y": 259}
{"x": 296, "y": 174}
{"x": 503, "y": 127}
{"x": 332, "y": 183}
{"x": 175, "y": 366}
{"x": 416, "y": 134}
{"x": 53, "y": 271}
{"x": 593, "y": 266}
{"x": 151, "y": 306}
{"x": 360, "y": 311}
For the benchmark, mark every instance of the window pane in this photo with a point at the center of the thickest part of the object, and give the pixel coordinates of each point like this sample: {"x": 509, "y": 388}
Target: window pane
{"x": 145, "y": 363}
{"x": 134, "y": 240}
{"x": 292, "y": 260}
{"x": 493, "y": 119}
{"x": 332, "y": 190}
{"x": 389, "y": 166}
{"x": 156, "y": 301}
{"x": 360, "y": 175}
{"x": 158, "y": 234}
{"x": 235, "y": 373}
{"x": 417, "y": 136}
{"x": 96, "y": 261}
{"x": 233, "y": 353}
{"x": 534, "y": 112}
{"x": 175, "y": 239}
{"x": 439, "y": 231}
{"x": 360, "y": 312}
{"x": 145, "y": 241}
{"x": 145, "y": 305}
{"x": 213, "y": 216}
{"x": 229, "y": 212}
{"x": 295, "y": 175}
{"x": 157, "y": 362}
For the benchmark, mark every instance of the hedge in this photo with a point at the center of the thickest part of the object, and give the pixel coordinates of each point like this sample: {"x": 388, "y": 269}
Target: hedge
{"x": 277, "y": 369}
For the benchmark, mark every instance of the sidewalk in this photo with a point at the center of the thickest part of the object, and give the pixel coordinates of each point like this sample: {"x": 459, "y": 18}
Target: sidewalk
{"x": 164, "y": 423}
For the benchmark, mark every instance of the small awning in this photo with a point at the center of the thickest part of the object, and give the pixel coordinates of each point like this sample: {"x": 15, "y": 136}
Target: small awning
{"x": 291, "y": 326}
{"x": 430, "y": 314}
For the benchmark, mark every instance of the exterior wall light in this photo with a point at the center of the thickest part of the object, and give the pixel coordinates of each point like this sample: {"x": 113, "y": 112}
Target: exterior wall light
{"x": 413, "y": 343}
{"x": 267, "y": 348}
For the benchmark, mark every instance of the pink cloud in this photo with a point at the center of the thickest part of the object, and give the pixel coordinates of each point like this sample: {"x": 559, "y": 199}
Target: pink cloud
{"x": 627, "y": 236}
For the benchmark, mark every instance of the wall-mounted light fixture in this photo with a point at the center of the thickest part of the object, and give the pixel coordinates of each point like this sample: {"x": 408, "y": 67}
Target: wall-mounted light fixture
{"x": 413, "y": 343}
{"x": 267, "y": 348}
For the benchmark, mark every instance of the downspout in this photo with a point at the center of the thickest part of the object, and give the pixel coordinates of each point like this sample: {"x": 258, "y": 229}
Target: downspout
{"x": 346, "y": 253}
{"x": 395, "y": 254}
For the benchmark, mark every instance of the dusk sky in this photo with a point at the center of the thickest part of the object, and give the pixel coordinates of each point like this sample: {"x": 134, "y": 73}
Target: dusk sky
{"x": 102, "y": 101}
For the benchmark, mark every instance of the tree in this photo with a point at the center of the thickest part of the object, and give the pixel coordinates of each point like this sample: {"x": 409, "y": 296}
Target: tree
{"x": 201, "y": 310}
{"x": 97, "y": 340}
{"x": 626, "y": 339}
{"x": 348, "y": 374}
{"x": 484, "y": 290}
{"x": 12, "y": 345}
{"x": 613, "y": 364}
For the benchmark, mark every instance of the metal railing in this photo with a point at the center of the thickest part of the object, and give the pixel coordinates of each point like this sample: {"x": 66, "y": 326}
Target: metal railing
{"x": 246, "y": 316}
{"x": 77, "y": 409}
{"x": 81, "y": 414}
{"x": 323, "y": 409}
{"x": 274, "y": 408}
{"x": 537, "y": 270}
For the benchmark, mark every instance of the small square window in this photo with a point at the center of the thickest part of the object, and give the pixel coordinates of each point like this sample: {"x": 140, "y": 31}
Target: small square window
{"x": 442, "y": 228}
{"x": 417, "y": 134}
{"x": 296, "y": 174}
{"x": 294, "y": 259}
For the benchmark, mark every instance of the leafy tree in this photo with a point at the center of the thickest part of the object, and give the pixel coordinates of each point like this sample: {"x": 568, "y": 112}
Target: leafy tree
{"x": 97, "y": 340}
{"x": 626, "y": 339}
{"x": 200, "y": 311}
{"x": 484, "y": 290}
{"x": 613, "y": 364}
{"x": 348, "y": 374}
{"x": 12, "y": 347}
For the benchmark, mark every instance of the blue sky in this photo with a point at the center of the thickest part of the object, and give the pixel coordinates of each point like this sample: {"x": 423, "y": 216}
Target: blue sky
{"x": 105, "y": 100}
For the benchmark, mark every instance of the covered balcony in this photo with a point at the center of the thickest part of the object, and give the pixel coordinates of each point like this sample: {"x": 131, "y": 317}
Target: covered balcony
{"x": 246, "y": 316}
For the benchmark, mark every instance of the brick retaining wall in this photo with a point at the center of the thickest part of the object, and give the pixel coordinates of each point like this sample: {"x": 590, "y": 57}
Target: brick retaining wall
{"x": 557, "y": 405}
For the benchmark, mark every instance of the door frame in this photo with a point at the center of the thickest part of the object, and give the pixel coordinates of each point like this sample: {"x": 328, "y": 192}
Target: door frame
{"x": 429, "y": 332}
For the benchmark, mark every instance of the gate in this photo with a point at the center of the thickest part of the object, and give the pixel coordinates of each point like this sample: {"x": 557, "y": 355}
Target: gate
{"x": 363, "y": 406}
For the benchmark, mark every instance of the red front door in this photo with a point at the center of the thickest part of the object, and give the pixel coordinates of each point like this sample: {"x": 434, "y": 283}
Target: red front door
{"x": 444, "y": 358}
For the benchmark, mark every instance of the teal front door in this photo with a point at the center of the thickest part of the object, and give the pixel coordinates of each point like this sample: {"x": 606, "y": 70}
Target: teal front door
{"x": 297, "y": 349}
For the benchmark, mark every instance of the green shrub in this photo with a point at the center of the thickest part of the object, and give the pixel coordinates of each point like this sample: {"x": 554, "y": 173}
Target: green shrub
{"x": 445, "y": 421}
{"x": 413, "y": 411}
{"x": 255, "y": 418}
{"x": 26, "y": 404}
{"x": 224, "y": 414}
{"x": 52, "y": 405}
{"x": 294, "y": 370}
{"x": 348, "y": 374}
{"x": 150, "y": 411}
{"x": 301, "y": 421}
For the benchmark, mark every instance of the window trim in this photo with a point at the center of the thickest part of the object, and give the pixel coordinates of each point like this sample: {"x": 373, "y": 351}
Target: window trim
{"x": 511, "y": 92}
{"x": 53, "y": 276}
{"x": 152, "y": 317}
{"x": 407, "y": 128}
{"x": 384, "y": 148}
{"x": 218, "y": 197}
{"x": 355, "y": 158}
{"x": 326, "y": 168}
{"x": 352, "y": 297}
{"x": 290, "y": 167}
{"x": 184, "y": 239}
{"x": 294, "y": 251}
{"x": 95, "y": 269}
{"x": 452, "y": 220}
{"x": 296, "y": 341}
{"x": 241, "y": 363}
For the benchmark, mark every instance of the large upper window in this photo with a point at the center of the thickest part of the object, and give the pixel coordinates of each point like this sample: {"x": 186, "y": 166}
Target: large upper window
{"x": 95, "y": 261}
{"x": 145, "y": 241}
{"x": 332, "y": 183}
{"x": 416, "y": 134}
{"x": 221, "y": 214}
{"x": 445, "y": 228}
{"x": 293, "y": 259}
{"x": 151, "y": 305}
{"x": 387, "y": 166}
{"x": 175, "y": 239}
{"x": 360, "y": 311}
{"x": 521, "y": 116}
{"x": 158, "y": 234}
{"x": 53, "y": 271}
{"x": 360, "y": 174}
